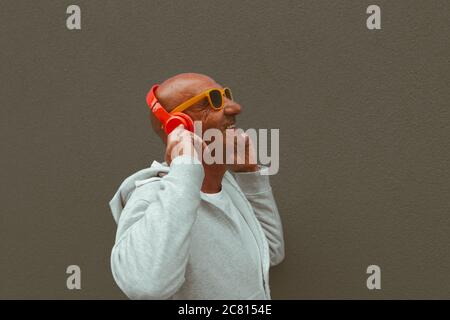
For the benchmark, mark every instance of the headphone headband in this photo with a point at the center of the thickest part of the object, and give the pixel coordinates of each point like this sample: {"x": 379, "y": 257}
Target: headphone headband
{"x": 152, "y": 101}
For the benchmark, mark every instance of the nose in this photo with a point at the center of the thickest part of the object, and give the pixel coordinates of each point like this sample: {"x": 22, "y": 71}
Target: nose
{"x": 232, "y": 108}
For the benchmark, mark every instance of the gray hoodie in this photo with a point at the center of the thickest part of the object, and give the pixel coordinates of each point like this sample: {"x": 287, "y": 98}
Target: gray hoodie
{"x": 173, "y": 244}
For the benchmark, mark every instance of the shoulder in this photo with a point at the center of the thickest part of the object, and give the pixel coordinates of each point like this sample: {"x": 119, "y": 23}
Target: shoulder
{"x": 146, "y": 189}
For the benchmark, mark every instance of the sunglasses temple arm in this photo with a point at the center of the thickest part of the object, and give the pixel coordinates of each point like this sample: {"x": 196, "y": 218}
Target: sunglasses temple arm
{"x": 188, "y": 103}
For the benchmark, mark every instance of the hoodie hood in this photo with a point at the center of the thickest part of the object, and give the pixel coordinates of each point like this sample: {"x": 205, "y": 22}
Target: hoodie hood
{"x": 137, "y": 179}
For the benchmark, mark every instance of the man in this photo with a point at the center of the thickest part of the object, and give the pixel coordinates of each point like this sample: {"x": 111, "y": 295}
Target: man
{"x": 192, "y": 230}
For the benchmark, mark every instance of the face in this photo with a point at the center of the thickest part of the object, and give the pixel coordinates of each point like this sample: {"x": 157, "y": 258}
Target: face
{"x": 222, "y": 119}
{"x": 181, "y": 88}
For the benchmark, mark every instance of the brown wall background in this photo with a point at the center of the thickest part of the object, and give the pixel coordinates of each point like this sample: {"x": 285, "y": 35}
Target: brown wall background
{"x": 363, "y": 118}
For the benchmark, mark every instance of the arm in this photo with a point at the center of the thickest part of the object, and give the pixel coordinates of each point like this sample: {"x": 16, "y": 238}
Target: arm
{"x": 257, "y": 190}
{"x": 150, "y": 255}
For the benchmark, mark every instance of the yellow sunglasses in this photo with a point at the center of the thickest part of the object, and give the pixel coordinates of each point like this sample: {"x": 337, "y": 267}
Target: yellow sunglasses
{"x": 215, "y": 99}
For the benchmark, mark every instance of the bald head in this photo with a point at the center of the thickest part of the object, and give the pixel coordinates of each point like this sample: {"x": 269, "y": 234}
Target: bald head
{"x": 178, "y": 89}
{"x": 182, "y": 87}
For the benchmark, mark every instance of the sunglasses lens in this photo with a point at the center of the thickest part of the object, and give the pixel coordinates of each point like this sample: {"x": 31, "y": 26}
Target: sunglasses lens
{"x": 216, "y": 98}
{"x": 228, "y": 94}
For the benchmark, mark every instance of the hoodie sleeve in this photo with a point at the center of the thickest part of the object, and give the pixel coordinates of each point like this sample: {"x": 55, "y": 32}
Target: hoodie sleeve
{"x": 257, "y": 190}
{"x": 151, "y": 250}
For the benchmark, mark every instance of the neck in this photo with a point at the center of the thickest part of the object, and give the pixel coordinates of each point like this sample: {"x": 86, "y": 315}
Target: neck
{"x": 212, "y": 183}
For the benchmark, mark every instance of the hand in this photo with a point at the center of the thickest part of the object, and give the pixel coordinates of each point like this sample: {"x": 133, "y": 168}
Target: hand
{"x": 182, "y": 142}
{"x": 243, "y": 162}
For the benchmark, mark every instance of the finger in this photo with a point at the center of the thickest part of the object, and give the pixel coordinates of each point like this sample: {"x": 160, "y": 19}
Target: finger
{"x": 199, "y": 144}
{"x": 178, "y": 130}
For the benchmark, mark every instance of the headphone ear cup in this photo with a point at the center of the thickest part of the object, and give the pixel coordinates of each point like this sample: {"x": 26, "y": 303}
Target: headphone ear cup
{"x": 189, "y": 123}
{"x": 176, "y": 119}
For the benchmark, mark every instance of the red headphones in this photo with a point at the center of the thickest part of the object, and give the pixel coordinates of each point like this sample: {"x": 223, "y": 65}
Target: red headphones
{"x": 169, "y": 120}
